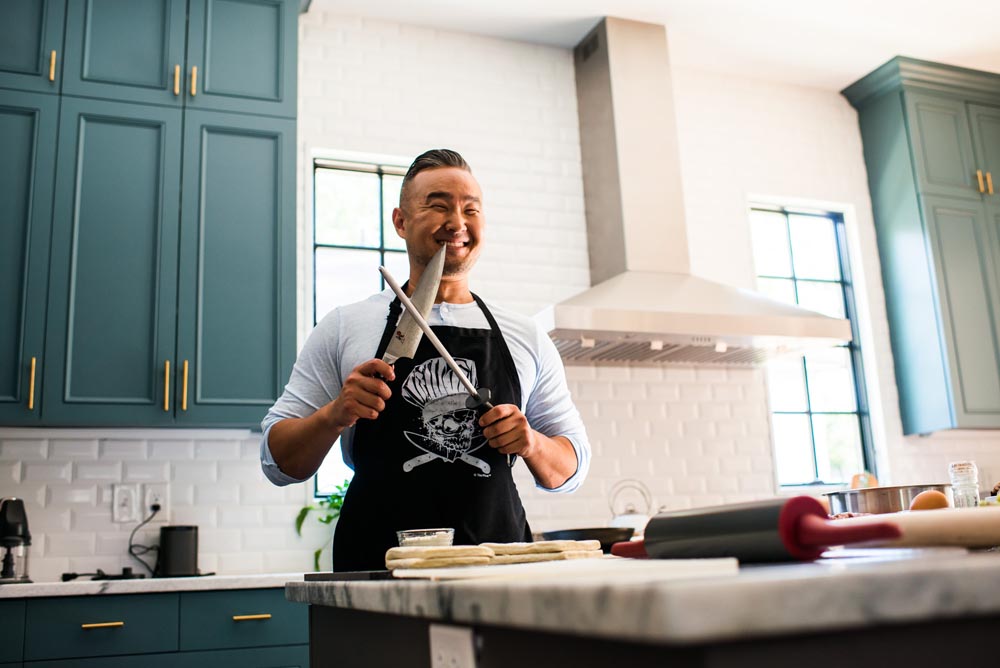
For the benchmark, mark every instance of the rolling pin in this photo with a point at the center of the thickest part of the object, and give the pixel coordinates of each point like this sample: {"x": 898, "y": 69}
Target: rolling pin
{"x": 760, "y": 531}
{"x": 964, "y": 527}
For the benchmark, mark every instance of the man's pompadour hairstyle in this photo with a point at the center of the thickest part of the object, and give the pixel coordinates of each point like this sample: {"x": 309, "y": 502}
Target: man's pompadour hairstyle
{"x": 433, "y": 159}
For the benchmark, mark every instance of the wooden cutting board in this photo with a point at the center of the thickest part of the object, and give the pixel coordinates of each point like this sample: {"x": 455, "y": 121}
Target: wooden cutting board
{"x": 618, "y": 568}
{"x": 963, "y": 527}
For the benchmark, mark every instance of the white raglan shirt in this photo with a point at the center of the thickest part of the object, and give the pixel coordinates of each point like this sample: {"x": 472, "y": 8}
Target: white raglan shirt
{"x": 349, "y": 335}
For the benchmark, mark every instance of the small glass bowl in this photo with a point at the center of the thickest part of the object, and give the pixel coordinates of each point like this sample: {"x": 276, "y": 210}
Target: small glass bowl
{"x": 425, "y": 537}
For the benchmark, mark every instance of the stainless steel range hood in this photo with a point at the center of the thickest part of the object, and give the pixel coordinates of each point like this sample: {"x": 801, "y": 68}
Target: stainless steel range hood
{"x": 644, "y": 305}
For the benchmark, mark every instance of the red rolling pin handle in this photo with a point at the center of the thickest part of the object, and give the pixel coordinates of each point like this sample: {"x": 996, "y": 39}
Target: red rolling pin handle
{"x": 806, "y": 532}
{"x": 633, "y": 549}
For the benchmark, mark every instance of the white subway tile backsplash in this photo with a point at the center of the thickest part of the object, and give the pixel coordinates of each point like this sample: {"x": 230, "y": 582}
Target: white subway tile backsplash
{"x": 217, "y": 494}
{"x": 72, "y": 449}
{"x": 10, "y": 473}
{"x": 111, "y": 543}
{"x": 171, "y": 450}
{"x": 119, "y": 450}
{"x": 76, "y": 544}
{"x": 104, "y": 470}
{"x": 194, "y": 472}
{"x": 202, "y": 516}
{"x": 241, "y": 562}
{"x": 241, "y": 517}
{"x": 146, "y": 472}
{"x": 67, "y": 495}
{"x": 220, "y": 540}
{"x": 14, "y": 450}
{"x": 217, "y": 450}
{"x": 47, "y": 472}
{"x": 243, "y": 470}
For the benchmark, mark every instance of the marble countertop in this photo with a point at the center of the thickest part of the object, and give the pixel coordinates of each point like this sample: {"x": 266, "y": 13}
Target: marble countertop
{"x": 147, "y": 585}
{"x": 856, "y": 588}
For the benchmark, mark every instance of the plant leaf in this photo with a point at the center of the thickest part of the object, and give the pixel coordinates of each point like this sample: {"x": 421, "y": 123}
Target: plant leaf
{"x": 301, "y": 518}
{"x": 316, "y": 559}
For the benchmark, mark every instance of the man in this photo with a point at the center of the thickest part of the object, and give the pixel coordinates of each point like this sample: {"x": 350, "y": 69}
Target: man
{"x": 421, "y": 458}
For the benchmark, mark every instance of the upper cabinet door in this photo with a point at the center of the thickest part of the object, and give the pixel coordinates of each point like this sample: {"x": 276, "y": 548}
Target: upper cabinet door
{"x": 113, "y": 281}
{"x": 31, "y": 37}
{"x": 242, "y": 56}
{"x": 942, "y": 146}
{"x": 236, "y": 317}
{"x": 986, "y": 135}
{"x": 130, "y": 50}
{"x": 27, "y": 166}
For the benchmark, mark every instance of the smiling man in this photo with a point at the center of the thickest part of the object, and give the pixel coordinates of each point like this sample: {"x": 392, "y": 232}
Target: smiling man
{"x": 421, "y": 458}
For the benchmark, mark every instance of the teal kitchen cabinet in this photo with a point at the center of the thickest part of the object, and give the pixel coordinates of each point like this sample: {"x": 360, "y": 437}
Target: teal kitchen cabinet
{"x": 236, "y": 315}
{"x": 27, "y": 165}
{"x": 227, "y": 55}
{"x": 113, "y": 281}
{"x": 931, "y": 137}
{"x": 242, "y": 618}
{"x": 31, "y": 39}
{"x": 12, "y": 631}
{"x": 244, "y": 54}
{"x": 126, "y": 51}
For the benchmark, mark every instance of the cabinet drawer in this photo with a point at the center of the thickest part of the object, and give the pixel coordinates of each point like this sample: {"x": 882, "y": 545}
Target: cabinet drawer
{"x": 59, "y": 627}
{"x": 11, "y": 630}
{"x": 212, "y": 620}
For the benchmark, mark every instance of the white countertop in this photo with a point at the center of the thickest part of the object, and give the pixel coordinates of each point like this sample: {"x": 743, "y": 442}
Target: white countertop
{"x": 147, "y": 585}
{"x": 870, "y": 588}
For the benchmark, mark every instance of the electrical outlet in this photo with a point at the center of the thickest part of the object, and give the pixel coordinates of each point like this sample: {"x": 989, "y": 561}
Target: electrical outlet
{"x": 157, "y": 493}
{"x": 125, "y": 502}
{"x": 452, "y": 647}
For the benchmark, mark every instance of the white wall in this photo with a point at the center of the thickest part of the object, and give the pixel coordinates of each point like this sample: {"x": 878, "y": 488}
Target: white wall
{"x": 694, "y": 436}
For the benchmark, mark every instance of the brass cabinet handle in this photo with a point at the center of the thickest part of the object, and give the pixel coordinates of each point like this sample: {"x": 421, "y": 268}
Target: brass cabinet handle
{"x": 194, "y": 80}
{"x": 103, "y": 625}
{"x": 247, "y": 618}
{"x": 31, "y": 386}
{"x": 52, "y": 66}
{"x": 166, "y": 385}
{"x": 177, "y": 79}
{"x": 184, "y": 391}
{"x": 979, "y": 175}
{"x": 989, "y": 182}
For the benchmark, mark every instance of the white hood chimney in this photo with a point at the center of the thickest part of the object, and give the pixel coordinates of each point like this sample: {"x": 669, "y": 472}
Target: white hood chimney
{"x": 645, "y": 305}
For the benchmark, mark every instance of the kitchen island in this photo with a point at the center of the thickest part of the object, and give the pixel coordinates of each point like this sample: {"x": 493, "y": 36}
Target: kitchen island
{"x": 907, "y": 607}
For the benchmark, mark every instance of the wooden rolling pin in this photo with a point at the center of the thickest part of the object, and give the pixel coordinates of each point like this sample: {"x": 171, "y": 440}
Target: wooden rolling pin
{"x": 964, "y": 527}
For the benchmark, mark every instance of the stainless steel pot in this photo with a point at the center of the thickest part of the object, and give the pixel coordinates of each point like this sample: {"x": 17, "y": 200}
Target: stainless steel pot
{"x": 879, "y": 500}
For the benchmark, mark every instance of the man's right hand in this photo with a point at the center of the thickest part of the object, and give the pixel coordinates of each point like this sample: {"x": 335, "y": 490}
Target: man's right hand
{"x": 363, "y": 394}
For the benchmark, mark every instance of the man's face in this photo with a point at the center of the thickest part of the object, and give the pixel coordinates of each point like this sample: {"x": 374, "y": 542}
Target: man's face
{"x": 442, "y": 205}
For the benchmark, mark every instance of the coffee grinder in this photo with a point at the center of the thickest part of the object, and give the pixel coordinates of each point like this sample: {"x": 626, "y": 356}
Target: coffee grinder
{"x": 15, "y": 539}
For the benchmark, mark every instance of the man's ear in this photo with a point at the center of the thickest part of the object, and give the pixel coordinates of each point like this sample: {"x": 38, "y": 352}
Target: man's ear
{"x": 399, "y": 222}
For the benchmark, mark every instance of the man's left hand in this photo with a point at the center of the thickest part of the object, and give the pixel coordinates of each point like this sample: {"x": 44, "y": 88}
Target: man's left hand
{"x": 507, "y": 430}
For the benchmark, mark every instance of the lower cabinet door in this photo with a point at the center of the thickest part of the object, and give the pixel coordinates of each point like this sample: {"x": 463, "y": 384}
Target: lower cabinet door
{"x": 12, "y": 631}
{"x": 241, "y": 618}
{"x": 100, "y": 626}
{"x": 134, "y": 661}
{"x": 289, "y": 656}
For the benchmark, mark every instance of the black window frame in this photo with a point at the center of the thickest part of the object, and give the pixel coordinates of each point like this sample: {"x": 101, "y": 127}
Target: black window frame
{"x": 862, "y": 405}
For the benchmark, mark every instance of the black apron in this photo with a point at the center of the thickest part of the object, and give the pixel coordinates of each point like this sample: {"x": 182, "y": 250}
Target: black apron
{"x": 424, "y": 462}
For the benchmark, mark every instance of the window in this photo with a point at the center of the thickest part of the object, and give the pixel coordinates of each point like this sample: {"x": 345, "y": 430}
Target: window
{"x": 352, "y": 236}
{"x": 819, "y": 409}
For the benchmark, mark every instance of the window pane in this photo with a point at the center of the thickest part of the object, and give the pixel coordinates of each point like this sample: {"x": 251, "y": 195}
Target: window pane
{"x": 838, "y": 447}
{"x": 347, "y": 211}
{"x": 780, "y": 289}
{"x": 770, "y": 243}
{"x": 786, "y": 385}
{"x": 831, "y": 380}
{"x": 793, "y": 449}
{"x": 390, "y": 200}
{"x": 332, "y": 472}
{"x": 398, "y": 265}
{"x": 814, "y": 245}
{"x": 343, "y": 277}
{"x": 826, "y": 298}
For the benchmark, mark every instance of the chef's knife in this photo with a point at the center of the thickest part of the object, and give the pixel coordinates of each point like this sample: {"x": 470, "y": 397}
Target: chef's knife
{"x": 478, "y": 398}
{"x": 406, "y": 338}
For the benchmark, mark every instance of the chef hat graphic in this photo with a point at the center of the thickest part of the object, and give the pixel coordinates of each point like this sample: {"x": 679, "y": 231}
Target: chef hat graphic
{"x": 434, "y": 388}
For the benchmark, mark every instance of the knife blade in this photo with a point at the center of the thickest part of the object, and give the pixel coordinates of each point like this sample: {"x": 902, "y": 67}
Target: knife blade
{"x": 478, "y": 398}
{"x": 406, "y": 338}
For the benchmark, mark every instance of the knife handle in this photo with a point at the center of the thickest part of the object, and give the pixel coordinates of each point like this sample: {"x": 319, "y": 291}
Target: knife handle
{"x": 482, "y": 401}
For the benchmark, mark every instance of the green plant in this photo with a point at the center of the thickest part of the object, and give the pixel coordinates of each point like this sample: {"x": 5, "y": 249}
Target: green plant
{"x": 330, "y": 506}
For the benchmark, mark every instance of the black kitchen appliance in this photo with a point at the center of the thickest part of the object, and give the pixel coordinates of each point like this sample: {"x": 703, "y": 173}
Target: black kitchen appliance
{"x": 15, "y": 539}
{"x": 177, "y": 555}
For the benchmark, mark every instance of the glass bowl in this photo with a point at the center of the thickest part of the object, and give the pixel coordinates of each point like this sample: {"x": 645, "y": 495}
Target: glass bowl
{"x": 425, "y": 537}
